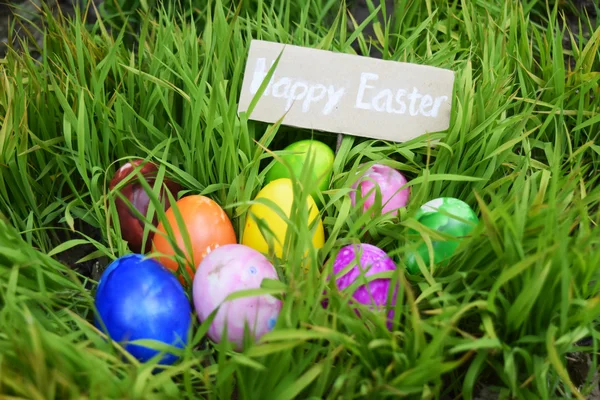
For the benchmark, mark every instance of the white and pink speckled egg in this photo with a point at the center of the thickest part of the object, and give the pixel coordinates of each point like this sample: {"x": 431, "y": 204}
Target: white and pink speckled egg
{"x": 389, "y": 181}
{"x": 228, "y": 269}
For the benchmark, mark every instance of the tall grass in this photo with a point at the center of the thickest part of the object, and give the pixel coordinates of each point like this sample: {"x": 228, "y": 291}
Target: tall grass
{"x": 520, "y": 149}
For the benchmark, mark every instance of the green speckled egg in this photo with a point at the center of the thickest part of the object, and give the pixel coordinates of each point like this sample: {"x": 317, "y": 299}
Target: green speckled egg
{"x": 436, "y": 214}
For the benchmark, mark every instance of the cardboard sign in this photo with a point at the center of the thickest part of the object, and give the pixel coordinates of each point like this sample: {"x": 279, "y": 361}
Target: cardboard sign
{"x": 344, "y": 93}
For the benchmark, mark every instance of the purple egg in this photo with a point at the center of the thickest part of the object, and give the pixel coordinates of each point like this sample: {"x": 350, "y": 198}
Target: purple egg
{"x": 374, "y": 261}
{"x": 389, "y": 182}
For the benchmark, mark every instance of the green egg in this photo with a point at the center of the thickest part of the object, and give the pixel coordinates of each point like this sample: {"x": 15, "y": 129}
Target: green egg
{"x": 322, "y": 157}
{"x": 437, "y": 215}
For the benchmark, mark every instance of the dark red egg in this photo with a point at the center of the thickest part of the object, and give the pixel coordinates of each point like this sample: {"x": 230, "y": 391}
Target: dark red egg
{"x": 132, "y": 228}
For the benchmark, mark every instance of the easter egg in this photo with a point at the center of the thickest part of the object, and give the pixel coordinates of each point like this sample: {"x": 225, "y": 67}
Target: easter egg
{"x": 206, "y": 224}
{"x": 297, "y": 156}
{"x": 387, "y": 181}
{"x": 438, "y": 215}
{"x": 139, "y": 299}
{"x": 132, "y": 227}
{"x": 227, "y": 270}
{"x": 367, "y": 260}
{"x": 279, "y": 191}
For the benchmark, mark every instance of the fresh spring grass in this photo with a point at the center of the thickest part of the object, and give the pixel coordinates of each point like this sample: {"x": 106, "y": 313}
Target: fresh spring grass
{"x": 521, "y": 150}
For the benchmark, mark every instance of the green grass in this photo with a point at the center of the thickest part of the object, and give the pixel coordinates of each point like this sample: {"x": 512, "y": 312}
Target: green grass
{"x": 521, "y": 150}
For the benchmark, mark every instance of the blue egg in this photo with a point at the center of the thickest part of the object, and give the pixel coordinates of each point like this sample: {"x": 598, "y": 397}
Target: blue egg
{"x": 138, "y": 299}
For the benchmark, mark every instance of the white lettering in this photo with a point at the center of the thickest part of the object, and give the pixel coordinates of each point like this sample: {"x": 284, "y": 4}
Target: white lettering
{"x": 413, "y": 100}
{"x": 311, "y": 97}
{"x": 296, "y": 96}
{"x": 285, "y": 83}
{"x": 379, "y": 99}
{"x": 333, "y": 97}
{"x": 260, "y": 73}
{"x": 292, "y": 89}
{"x": 437, "y": 104}
{"x": 361, "y": 89}
{"x": 399, "y": 94}
{"x": 383, "y": 101}
{"x": 427, "y": 101}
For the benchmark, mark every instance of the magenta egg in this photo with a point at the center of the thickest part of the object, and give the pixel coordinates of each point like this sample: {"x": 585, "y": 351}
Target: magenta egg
{"x": 385, "y": 179}
{"x": 371, "y": 260}
{"x": 226, "y": 270}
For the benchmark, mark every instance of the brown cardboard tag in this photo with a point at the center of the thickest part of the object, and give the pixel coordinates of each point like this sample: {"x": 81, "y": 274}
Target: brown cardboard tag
{"x": 344, "y": 93}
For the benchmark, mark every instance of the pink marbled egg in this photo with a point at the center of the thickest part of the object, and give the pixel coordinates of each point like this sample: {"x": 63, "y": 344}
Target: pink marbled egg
{"x": 389, "y": 181}
{"x": 228, "y": 269}
{"x": 371, "y": 260}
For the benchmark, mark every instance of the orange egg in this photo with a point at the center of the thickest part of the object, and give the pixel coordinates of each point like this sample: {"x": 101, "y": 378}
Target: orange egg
{"x": 207, "y": 225}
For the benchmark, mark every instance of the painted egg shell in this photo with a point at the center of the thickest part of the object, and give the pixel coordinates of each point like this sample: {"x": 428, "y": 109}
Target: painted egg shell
{"x": 321, "y": 157}
{"x": 371, "y": 260}
{"x": 138, "y": 299}
{"x": 279, "y": 191}
{"x": 388, "y": 181}
{"x": 132, "y": 228}
{"x": 226, "y": 270}
{"x": 207, "y": 225}
{"x": 437, "y": 215}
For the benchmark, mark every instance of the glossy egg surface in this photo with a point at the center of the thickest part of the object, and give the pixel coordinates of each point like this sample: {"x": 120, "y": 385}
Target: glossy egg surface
{"x": 226, "y": 270}
{"x": 388, "y": 182}
{"x": 132, "y": 228}
{"x": 207, "y": 225}
{"x": 438, "y": 214}
{"x": 279, "y": 191}
{"x": 297, "y": 156}
{"x": 367, "y": 260}
{"x": 139, "y": 298}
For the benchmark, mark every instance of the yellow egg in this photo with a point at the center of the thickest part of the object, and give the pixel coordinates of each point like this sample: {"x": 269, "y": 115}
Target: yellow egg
{"x": 280, "y": 192}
